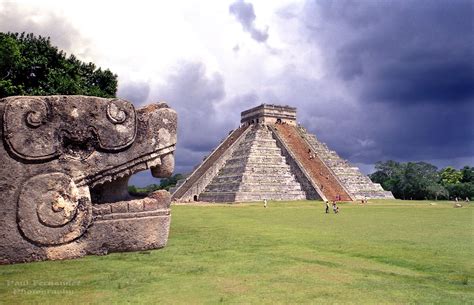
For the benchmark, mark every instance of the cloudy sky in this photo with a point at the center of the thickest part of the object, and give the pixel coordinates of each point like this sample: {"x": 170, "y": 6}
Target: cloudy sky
{"x": 375, "y": 80}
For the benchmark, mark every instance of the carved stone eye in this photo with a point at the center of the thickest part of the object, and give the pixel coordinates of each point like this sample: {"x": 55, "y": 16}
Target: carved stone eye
{"x": 115, "y": 114}
{"x": 34, "y": 119}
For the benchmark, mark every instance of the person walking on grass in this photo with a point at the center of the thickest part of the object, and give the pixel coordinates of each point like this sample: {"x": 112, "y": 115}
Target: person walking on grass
{"x": 265, "y": 203}
{"x": 327, "y": 206}
{"x": 335, "y": 208}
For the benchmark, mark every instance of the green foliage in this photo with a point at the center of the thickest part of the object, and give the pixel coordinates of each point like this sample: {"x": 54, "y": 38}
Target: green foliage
{"x": 461, "y": 190}
{"x": 165, "y": 184}
{"x": 385, "y": 252}
{"x": 142, "y": 191}
{"x": 418, "y": 179}
{"x": 421, "y": 180}
{"x": 412, "y": 180}
{"x": 30, "y": 65}
{"x": 132, "y": 189}
{"x": 450, "y": 175}
{"x": 436, "y": 190}
{"x": 388, "y": 174}
{"x": 467, "y": 174}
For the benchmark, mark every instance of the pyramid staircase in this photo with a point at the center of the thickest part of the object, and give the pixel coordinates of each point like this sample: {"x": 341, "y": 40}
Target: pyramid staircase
{"x": 358, "y": 185}
{"x": 319, "y": 173}
{"x": 255, "y": 171}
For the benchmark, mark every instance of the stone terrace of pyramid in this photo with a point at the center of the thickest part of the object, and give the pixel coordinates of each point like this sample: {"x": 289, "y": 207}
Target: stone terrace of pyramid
{"x": 270, "y": 157}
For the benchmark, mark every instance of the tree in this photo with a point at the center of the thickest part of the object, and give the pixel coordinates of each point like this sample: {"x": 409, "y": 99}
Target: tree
{"x": 436, "y": 190}
{"x": 421, "y": 180}
{"x": 166, "y": 183}
{"x": 461, "y": 190}
{"x": 459, "y": 183}
{"x": 30, "y": 65}
{"x": 450, "y": 175}
{"x": 417, "y": 179}
{"x": 10, "y": 57}
{"x": 412, "y": 180}
{"x": 388, "y": 174}
{"x": 467, "y": 174}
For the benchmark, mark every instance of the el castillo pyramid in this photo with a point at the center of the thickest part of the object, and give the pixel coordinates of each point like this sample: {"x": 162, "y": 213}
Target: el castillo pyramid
{"x": 270, "y": 157}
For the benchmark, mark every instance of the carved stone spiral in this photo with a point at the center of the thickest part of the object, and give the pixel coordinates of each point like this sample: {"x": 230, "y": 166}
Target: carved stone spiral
{"x": 52, "y": 210}
{"x": 115, "y": 114}
{"x": 34, "y": 119}
{"x": 28, "y": 129}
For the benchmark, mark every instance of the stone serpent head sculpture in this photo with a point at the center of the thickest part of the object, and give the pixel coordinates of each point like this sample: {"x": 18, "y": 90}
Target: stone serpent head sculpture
{"x": 65, "y": 162}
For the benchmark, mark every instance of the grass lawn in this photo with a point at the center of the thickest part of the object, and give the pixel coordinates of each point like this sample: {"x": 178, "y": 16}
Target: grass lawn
{"x": 387, "y": 252}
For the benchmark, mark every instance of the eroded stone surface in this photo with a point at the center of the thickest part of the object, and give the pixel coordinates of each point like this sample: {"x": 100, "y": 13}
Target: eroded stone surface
{"x": 65, "y": 164}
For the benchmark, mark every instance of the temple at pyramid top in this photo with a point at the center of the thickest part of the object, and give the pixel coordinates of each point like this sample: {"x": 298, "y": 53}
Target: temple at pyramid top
{"x": 269, "y": 114}
{"x": 271, "y": 157}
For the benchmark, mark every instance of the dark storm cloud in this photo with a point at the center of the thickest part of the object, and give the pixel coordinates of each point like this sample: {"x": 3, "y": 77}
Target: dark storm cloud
{"x": 195, "y": 94}
{"x": 62, "y": 33}
{"x": 409, "y": 68}
{"x": 424, "y": 80}
{"x": 246, "y": 16}
{"x": 406, "y": 52}
{"x": 135, "y": 92}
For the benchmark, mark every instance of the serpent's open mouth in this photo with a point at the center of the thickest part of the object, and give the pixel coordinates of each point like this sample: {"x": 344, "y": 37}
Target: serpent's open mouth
{"x": 109, "y": 189}
{"x": 155, "y": 204}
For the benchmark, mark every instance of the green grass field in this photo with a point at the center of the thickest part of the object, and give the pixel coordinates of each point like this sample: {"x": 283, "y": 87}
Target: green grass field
{"x": 389, "y": 252}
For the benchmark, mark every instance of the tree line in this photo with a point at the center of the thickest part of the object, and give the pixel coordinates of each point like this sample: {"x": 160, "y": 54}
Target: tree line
{"x": 31, "y": 65}
{"x": 422, "y": 180}
{"x": 165, "y": 184}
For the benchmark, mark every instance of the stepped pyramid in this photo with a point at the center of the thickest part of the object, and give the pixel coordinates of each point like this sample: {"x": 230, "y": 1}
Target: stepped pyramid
{"x": 256, "y": 170}
{"x": 270, "y": 157}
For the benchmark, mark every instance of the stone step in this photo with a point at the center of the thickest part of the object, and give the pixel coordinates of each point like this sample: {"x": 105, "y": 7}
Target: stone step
{"x": 269, "y": 170}
{"x": 251, "y": 180}
{"x": 248, "y": 175}
{"x": 257, "y": 160}
{"x": 259, "y": 150}
{"x": 250, "y": 196}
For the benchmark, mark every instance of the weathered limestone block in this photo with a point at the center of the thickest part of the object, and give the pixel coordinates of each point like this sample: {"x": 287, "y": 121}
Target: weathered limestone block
{"x": 65, "y": 163}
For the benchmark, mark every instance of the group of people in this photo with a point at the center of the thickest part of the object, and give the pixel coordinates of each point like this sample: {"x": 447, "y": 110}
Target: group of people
{"x": 335, "y": 208}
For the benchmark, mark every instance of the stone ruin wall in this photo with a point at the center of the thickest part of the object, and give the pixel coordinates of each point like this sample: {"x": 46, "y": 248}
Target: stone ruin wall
{"x": 269, "y": 114}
